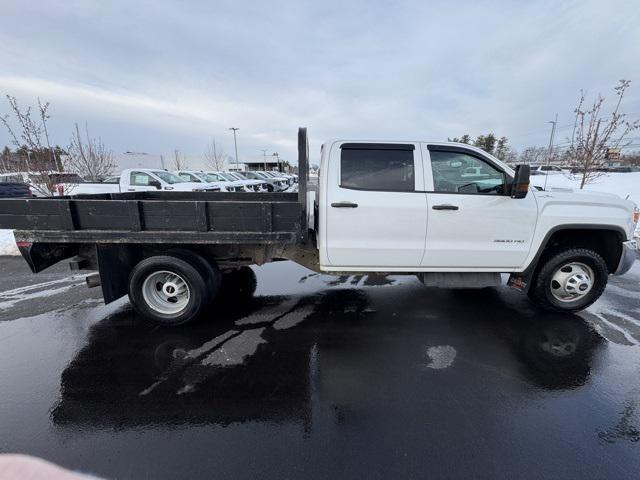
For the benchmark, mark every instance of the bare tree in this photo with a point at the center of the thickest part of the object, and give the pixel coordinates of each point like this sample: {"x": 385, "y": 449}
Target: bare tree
{"x": 179, "y": 160}
{"x": 88, "y": 156}
{"x": 31, "y": 140}
{"x": 215, "y": 157}
{"x": 533, "y": 155}
{"x": 594, "y": 134}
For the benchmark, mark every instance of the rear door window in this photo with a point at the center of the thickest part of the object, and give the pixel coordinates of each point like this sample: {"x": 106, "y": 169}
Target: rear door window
{"x": 382, "y": 167}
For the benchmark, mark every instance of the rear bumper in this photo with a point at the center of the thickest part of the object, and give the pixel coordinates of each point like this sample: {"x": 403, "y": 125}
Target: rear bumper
{"x": 627, "y": 258}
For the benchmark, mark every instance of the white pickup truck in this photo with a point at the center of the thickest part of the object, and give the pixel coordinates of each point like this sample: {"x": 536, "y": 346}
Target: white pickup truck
{"x": 450, "y": 214}
{"x": 144, "y": 180}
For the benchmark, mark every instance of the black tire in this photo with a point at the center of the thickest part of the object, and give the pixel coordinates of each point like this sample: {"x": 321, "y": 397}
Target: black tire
{"x": 208, "y": 269}
{"x": 198, "y": 298}
{"x": 541, "y": 291}
{"x": 238, "y": 284}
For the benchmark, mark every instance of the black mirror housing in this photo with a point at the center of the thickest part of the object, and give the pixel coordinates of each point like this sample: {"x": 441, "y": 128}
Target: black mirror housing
{"x": 155, "y": 183}
{"x": 520, "y": 185}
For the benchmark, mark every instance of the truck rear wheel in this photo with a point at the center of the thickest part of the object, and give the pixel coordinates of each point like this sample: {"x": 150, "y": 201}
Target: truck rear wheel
{"x": 168, "y": 290}
{"x": 570, "y": 280}
{"x": 238, "y": 284}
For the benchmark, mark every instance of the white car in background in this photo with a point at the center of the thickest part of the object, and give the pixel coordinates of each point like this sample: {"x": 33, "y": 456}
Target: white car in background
{"x": 144, "y": 180}
{"x": 255, "y": 185}
{"x": 233, "y": 184}
{"x": 275, "y": 184}
{"x": 207, "y": 178}
{"x": 548, "y": 170}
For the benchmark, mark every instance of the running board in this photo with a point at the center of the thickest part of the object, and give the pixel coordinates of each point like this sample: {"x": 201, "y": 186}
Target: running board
{"x": 460, "y": 280}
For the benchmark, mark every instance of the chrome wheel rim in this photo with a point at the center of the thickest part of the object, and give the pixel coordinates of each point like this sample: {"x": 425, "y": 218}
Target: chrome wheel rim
{"x": 166, "y": 292}
{"x": 571, "y": 282}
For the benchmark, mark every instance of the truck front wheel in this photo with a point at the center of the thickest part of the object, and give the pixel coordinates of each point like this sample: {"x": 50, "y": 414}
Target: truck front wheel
{"x": 570, "y": 280}
{"x": 168, "y": 290}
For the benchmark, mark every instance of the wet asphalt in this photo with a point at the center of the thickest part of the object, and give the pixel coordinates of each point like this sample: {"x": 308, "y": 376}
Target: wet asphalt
{"x": 322, "y": 377}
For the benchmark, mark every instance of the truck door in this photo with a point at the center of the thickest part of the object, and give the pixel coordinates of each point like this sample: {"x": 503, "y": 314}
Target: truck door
{"x": 473, "y": 222}
{"x": 140, "y": 182}
{"x": 375, "y": 213}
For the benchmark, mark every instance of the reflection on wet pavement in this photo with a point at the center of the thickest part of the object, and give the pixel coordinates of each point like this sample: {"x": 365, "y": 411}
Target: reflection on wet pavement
{"x": 358, "y": 376}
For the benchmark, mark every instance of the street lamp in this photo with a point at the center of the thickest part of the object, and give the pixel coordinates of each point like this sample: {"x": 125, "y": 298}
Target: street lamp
{"x": 235, "y": 143}
{"x": 275, "y": 154}
{"x": 264, "y": 158}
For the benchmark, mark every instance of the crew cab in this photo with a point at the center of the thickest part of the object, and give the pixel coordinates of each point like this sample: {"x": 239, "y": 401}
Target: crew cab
{"x": 144, "y": 180}
{"x": 450, "y": 214}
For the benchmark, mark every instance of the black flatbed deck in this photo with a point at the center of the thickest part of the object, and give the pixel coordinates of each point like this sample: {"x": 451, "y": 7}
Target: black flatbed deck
{"x": 157, "y": 217}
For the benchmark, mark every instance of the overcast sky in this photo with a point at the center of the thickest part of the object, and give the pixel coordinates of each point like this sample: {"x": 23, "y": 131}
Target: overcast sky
{"x": 158, "y": 75}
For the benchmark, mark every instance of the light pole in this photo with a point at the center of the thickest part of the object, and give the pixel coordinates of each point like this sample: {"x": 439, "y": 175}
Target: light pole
{"x": 235, "y": 143}
{"x": 264, "y": 157}
{"x": 275, "y": 154}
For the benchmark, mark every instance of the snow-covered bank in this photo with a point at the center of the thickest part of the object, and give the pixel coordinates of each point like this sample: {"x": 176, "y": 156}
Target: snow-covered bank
{"x": 625, "y": 185}
{"x": 8, "y": 243}
{"x": 622, "y": 184}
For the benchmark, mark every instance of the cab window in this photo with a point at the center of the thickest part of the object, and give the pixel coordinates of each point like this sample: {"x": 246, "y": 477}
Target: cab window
{"x": 384, "y": 167}
{"x": 457, "y": 172}
{"x": 140, "y": 179}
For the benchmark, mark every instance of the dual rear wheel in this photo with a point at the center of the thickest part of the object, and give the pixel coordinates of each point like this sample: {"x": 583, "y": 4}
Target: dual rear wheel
{"x": 176, "y": 288}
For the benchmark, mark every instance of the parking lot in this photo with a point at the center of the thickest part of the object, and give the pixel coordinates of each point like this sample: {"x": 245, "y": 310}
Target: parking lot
{"x": 322, "y": 377}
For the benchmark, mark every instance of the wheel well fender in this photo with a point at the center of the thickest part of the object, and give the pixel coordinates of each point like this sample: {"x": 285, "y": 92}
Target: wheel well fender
{"x": 606, "y": 240}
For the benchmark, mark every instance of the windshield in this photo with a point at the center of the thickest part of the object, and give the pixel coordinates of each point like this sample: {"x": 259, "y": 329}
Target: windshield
{"x": 168, "y": 177}
{"x": 228, "y": 177}
{"x": 239, "y": 176}
{"x": 214, "y": 177}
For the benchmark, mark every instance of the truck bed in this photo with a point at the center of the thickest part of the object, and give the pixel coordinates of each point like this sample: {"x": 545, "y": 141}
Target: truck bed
{"x": 157, "y": 217}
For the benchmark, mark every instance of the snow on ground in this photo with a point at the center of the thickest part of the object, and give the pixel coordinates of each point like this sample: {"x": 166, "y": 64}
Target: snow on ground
{"x": 625, "y": 185}
{"x": 622, "y": 184}
{"x": 8, "y": 243}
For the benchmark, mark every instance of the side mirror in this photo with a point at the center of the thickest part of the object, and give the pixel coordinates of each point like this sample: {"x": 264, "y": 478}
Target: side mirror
{"x": 520, "y": 185}
{"x": 155, "y": 183}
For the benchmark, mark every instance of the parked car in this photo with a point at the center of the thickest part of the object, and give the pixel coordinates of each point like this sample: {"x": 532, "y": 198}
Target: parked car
{"x": 275, "y": 184}
{"x": 45, "y": 184}
{"x": 14, "y": 190}
{"x": 202, "y": 177}
{"x": 144, "y": 180}
{"x": 281, "y": 176}
{"x": 256, "y": 185}
{"x": 549, "y": 169}
{"x": 239, "y": 185}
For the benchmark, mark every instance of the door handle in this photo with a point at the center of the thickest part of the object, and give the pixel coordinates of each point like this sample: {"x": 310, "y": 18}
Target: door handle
{"x": 344, "y": 205}
{"x": 445, "y": 207}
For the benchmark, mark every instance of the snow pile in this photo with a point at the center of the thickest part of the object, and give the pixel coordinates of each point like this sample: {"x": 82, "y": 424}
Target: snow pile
{"x": 621, "y": 184}
{"x": 625, "y": 185}
{"x": 8, "y": 243}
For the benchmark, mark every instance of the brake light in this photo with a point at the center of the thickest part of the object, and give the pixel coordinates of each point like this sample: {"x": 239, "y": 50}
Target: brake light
{"x": 636, "y": 216}
{"x": 60, "y": 189}
{"x": 23, "y": 244}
